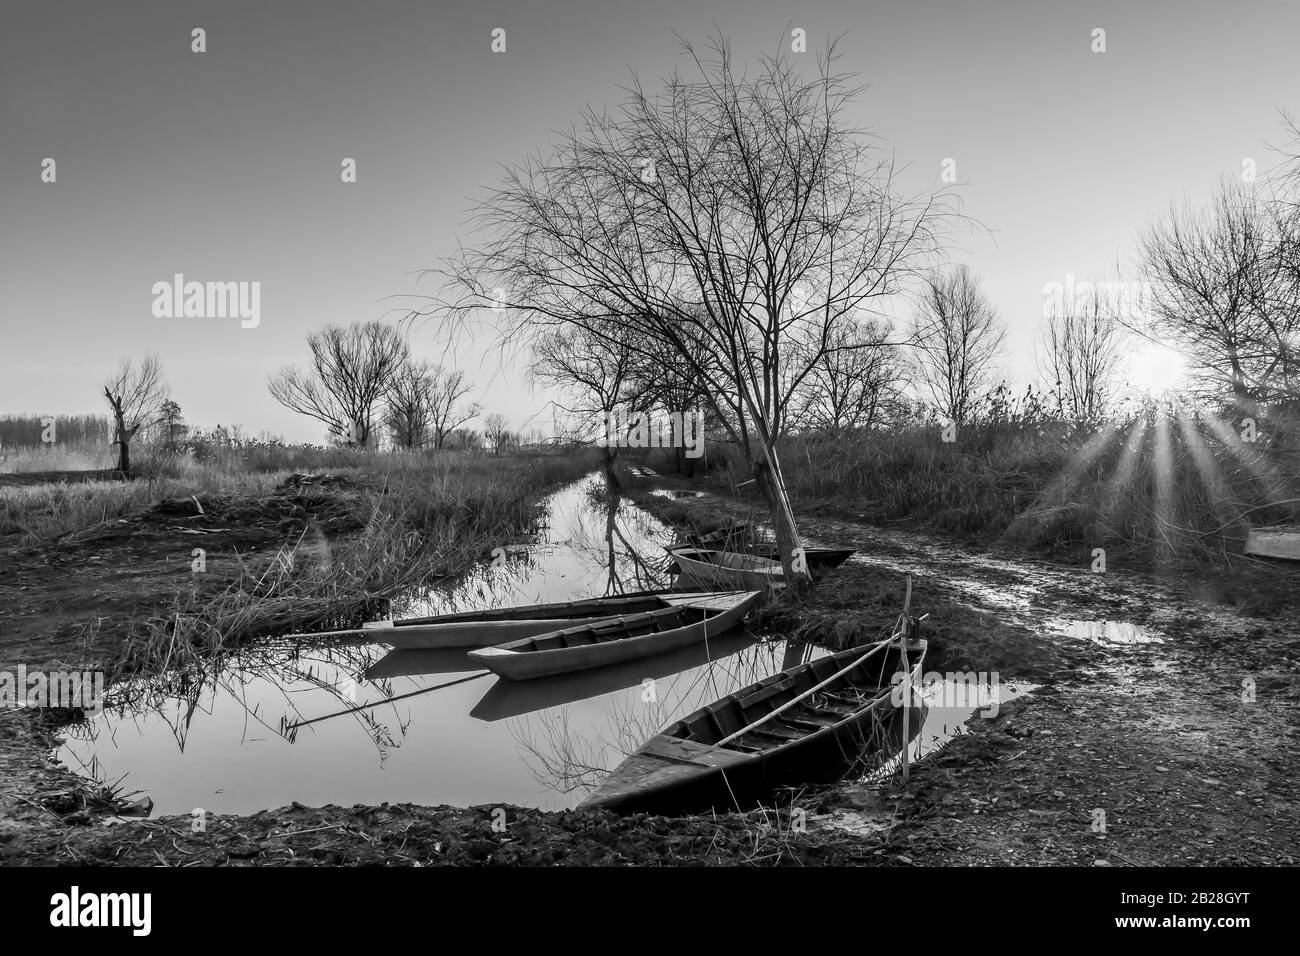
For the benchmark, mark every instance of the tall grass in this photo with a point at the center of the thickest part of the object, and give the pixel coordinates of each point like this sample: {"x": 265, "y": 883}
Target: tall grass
{"x": 1152, "y": 483}
{"x": 424, "y": 520}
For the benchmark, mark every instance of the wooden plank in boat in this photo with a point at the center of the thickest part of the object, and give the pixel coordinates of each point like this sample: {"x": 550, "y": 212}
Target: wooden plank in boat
{"x": 690, "y": 752}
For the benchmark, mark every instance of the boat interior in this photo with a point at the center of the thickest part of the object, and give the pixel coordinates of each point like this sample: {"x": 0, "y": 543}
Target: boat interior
{"x": 868, "y": 682}
{"x": 619, "y": 629}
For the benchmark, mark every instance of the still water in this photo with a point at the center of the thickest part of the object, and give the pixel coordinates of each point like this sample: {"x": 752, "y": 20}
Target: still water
{"x": 273, "y": 726}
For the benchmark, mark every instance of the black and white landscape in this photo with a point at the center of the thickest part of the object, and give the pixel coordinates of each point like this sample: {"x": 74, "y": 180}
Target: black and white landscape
{"x": 597, "y": 434}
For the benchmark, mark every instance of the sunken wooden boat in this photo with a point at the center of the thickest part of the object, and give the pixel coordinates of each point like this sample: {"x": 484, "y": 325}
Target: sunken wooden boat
{"x": 734, "y": 753}
{"x": 727, "y": 569}
{"x": 1276, "y": 541}
{"x": 503, "y": 625}
{"x": 626, "y": 638}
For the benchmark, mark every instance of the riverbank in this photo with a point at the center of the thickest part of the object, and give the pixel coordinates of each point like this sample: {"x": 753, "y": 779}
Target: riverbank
{"x": 181, "y": 572}
{"x": 1140, "y": 716}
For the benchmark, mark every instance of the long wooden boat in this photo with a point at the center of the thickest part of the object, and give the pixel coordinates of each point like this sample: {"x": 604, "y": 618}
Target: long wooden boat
{"x": 501, "y": 625}
{"x": 700, "y": 763}
{"x": 727, "y": 569}
{"x": 1277, "y": 541}
{"x": 616, "y": 641}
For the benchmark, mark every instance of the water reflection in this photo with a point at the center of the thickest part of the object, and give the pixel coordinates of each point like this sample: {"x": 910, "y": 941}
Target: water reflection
{"x": 349, "y": 723}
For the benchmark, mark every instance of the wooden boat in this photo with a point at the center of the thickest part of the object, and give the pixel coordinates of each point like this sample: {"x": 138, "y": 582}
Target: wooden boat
{"x": 819, "y": 560}
{"x": 508, "y": 698}
{"x": 502, "y": 625}
{"x": 735, "y": 752}
{"x": 1277, "y": 541}
{"x": 621, "y": 639}
{"x": 727, "y": 569}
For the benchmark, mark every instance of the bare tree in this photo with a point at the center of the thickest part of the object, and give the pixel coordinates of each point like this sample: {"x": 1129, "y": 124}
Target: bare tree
{"x": 957, "y": 336}
{"x": 1081, "y": 351}
{"x": 593, "y": 367}
{"x": 407, "y": 404}
{"x": 135, "y": 396}
{"x": 855, "y": 382}
{"x": 466, "y": 438}
{"x": 496, "y": 428}
{"x": 352, "y": 368}
{"x": 731, "y": 220}
{"x": 1220, "y": 292}
{"x": 447, "y": 411}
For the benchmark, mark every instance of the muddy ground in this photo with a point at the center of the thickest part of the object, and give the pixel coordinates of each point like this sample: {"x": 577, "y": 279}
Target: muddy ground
{"x": 1165, "y": 737}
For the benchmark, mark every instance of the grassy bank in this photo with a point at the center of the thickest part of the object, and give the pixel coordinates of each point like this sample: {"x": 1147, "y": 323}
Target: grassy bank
{"x": 1153, "y": 488}
{"x": 277, "y": 555}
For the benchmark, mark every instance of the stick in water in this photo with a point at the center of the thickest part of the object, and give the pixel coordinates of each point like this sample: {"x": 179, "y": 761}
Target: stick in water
{"x": 388, "y": 700}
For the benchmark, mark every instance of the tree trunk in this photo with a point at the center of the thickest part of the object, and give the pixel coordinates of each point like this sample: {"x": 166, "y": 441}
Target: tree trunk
{"x": 123, "y": 451}
{"x": 771, "y": 487}
{"x": 614, "y": 486}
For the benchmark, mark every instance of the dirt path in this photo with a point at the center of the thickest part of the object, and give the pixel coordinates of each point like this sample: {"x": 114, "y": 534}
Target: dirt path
{"x": 1165, "y": 733}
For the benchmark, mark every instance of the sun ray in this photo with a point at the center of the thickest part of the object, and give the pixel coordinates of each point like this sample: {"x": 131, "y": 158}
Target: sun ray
{"x": 1273, "y": 485}
{"x": 1225, "y": 508}
{"x": 1122, "y": 476}
{"x": 1163, "y": 500}
{"x": 1059, "y": 487}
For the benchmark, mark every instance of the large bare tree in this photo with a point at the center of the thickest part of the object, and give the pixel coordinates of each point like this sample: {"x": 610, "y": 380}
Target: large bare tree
{"x": 732, "y": 220}
{"x": 1223, "y": 292}
{"x": 135, "y": 394}
{"x": 958, "y": 336}
{"x": 352, "y": 368}
{"x": 406, "y": 404}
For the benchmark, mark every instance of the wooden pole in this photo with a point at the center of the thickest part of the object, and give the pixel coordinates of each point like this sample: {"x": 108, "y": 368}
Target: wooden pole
{"x": 903, "y": 634}
{"x": 387, "y": 700}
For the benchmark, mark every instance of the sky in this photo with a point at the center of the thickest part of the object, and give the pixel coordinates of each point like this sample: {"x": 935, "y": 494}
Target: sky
{"x": 225, "y": 165}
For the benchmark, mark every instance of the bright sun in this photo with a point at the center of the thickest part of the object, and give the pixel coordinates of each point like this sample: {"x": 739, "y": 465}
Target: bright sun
{"x": 1154, "y": 369}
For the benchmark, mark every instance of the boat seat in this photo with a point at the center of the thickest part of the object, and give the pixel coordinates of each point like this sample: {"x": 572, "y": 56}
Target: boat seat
{"x": 809, "y": 722}
{"x": 774, "y": 728}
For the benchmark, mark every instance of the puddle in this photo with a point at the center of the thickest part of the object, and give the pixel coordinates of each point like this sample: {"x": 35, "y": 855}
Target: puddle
{"x": 1103, "y": 632}
{"x": 953, "y": 701}
{"x": 252, "y": 737}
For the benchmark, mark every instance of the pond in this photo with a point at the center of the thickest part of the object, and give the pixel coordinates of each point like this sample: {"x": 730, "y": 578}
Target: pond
{"x": 283, "y": 723}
